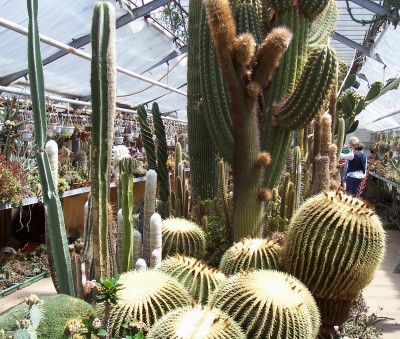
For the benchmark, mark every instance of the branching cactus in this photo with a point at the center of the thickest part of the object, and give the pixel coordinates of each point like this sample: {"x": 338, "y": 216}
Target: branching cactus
{"x": 260, "y": 104}
{"x": 51, "y": 200}
{"x": 103, "y": 86}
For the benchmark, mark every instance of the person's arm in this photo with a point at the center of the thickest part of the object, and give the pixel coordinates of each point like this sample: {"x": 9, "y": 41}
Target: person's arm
{"x": 348, "y": 156}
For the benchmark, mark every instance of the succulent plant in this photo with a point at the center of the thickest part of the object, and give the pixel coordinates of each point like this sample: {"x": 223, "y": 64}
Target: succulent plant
{"x": 334, "y": 245}
{"x": 269, "y": 304}
{"x": 199, "y": 278}
{"x": 197, "y": 322}
{"x": 146, "y": 296}
{"x": 182, "y": 236}
{"x": 257, "y": 253}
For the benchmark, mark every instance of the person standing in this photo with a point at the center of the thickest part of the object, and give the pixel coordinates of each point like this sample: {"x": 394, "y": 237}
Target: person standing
{"x": 357, "y": 167}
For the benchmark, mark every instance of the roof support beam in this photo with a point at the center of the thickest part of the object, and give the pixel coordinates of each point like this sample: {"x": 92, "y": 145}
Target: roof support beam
{"x": 356, "y": 46}
{"x": 52, "y": 42}
{"x": 375, "y": 8}
{"x": 169, "y": 57}
{"x": 85, "y": 39}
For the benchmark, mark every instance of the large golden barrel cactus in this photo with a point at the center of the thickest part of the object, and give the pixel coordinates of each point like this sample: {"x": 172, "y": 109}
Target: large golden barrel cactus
{"x": 197, "y": 322}
{"x": 251, "y": 253}
{"x": 146, "y": 296}
{"x": 269, "y": 304}
{"x": 334, "y": 245}
{"x": 198, "y": 278}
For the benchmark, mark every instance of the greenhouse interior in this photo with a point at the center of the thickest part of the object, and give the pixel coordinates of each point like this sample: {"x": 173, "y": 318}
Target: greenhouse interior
{"x": 200, "y": 169}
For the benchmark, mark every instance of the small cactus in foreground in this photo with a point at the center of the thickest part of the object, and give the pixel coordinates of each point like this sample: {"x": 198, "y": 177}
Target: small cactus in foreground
{"x": 197, "y": 322}
{"x": 182, "y": 236}
{"x": 269, "y": 304}
{"x": 199, "y": 278}
{"x": 146, "y": 296}
{"x": 250, "y": 254}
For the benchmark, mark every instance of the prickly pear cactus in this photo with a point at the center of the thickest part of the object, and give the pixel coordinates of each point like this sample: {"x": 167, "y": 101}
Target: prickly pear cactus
{"x": 182, "y": 236}
{"x": 269, "y": 304}
{"x": 197, "y": 322}
{"x": 146, "y": 296}
{"x": 199, "y": 278}
{"x": 250, "y": 254}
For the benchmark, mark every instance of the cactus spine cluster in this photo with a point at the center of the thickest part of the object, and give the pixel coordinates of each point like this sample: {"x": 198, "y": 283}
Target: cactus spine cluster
{"x": 103, "y": 86}
{"x": 269, "y": 304}
{"x": 199, "y": 278}
{"x": 51, "y": 200}
{"x": 183, "y": 237}
{"x": 196, "y": 322}
{"x": 264, "y": 98}
{"x": 250, "y": 254}
{"x": 146, "y": 296}
{"x": 334, "y": 245}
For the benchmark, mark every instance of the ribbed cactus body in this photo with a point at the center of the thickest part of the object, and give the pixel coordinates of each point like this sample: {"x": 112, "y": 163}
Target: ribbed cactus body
{"x": 198, "y": 278}
{"x": 251, "y": 254}
{"x": 334, "y": 245}
{"x": 149, "y": 209}
{"x": 269, "y": 304}
{"x": 183, "y": 237}
{"x": 325, "y": 23}
{"x": 146, "y": 296}
{"x": 197, "y": 322}
{"x": 147, "y": 136}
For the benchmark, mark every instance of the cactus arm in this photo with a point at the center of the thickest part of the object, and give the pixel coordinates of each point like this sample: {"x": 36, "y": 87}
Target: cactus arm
{"x": 324, "y": 25}
{"x": 147, "y": 137}
{"x": 103, "y": 85}
{"x": 51, "y": 200}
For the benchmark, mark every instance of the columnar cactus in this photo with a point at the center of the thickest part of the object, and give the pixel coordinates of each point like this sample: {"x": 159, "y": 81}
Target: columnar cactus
{"x": 128, "y": 167}
{"x": 51, "y": 200}
{"x": 149, "y": 209}
{"x": 269, "y": 304}
{"x": 184, "y": 237}
{"x": 250, "y": 254}
{"x": 197, "y": 277}
{"x": 103, "y": 86}
{"x": 155, "y": 240}
{"x": 196, "y": 322}
{"x": 146, "y": 296}
{"x": 334, "y": 245}
{"x": 258, "y": 108}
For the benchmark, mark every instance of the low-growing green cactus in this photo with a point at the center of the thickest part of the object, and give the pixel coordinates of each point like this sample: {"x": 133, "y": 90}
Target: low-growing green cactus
{"x": 199, "y": 278}
{"x": 197, "y": 322}
{"x": 269, "y": 304}
{"x": 146, "y": 296}
{"x": 182, "y": 236}
{"x": 250, "y": 254}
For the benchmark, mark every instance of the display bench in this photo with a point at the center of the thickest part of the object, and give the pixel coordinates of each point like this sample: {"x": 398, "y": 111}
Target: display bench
{"x": 26, "y": 222}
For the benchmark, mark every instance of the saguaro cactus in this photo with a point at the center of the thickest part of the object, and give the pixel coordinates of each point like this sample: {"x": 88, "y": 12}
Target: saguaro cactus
{"x": 260, "y": 105}
{"x": 103, "y": 85}
{"x": 51, "y": 200}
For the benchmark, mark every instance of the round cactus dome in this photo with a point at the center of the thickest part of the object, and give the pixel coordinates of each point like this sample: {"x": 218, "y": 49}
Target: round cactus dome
{"x": 146, "y": 296}
{"x": 199, "y": 278}
{"x": 257, "y": 253}
{"x": 197, "y": 322}
{"x": 182, "y": 236}
{"x": 267, "y": 303}
{"x": 334, "y": 244}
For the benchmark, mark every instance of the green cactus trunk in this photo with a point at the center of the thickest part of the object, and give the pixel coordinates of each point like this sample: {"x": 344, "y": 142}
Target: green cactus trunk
{"x": 147, "y": 135}
{"x": 51, "y": 200}
{"x": 202, "y": 154}
{"x": 103, "y": 85}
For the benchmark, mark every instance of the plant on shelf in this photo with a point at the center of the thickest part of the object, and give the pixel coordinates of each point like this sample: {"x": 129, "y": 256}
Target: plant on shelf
{"x": 12, "y": 182}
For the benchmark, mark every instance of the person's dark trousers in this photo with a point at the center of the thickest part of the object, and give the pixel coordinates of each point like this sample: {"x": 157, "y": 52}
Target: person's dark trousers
{"x": 352, "y": 185}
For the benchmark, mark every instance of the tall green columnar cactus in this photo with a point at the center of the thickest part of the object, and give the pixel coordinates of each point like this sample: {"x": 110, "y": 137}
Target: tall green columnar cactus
{"x": 147, "y": 135}
{"x": 202, "y": 154}
{"x": 103, "y": 85}
{"x": 128, "y": 167}
{"x": 162, "y": 157}
{"x": 258, "y": 107}
{"x": 334, "y": 245}
{"x": 51, "y": 200}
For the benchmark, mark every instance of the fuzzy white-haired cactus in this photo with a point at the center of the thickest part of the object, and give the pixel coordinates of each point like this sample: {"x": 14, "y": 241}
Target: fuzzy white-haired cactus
{"x": 52, "y": 153}
{"x": 137, "y": 245}
{"x": 155, "y": 238}
{"x": 149, "y": 209}
{"x": 141, "y": 265}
